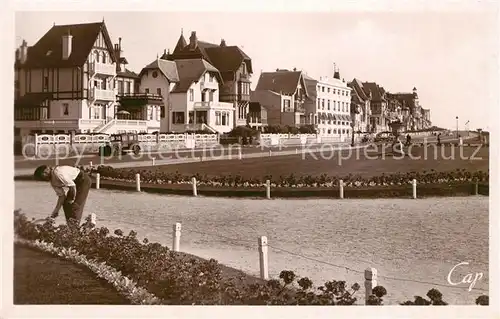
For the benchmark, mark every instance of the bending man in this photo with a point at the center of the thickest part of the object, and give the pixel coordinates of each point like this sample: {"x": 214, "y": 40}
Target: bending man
{"x": 73, "y": 201}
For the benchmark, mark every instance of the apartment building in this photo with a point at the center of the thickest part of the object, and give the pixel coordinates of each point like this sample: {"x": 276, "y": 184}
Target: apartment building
{"x": 66, "y": 82}
{"x": 283, "y": 94}
{"x": 190, "y": 95}
{"x": 233, "y": 64}
{"x": 329, "y": 108}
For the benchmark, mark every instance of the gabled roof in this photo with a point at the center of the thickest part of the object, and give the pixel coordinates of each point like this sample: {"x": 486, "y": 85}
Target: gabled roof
{"x": 127, "y": 74}
{"x": 282, "y": 81}
{"x": 377, "y": 91}
{"x": 227, "y": 59}
{"x": 47, "y": 52}
{"x": 167, "y": 68}
{"x": 191, "y": 70}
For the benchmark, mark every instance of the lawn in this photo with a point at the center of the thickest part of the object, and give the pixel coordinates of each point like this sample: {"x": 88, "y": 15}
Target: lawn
{"x": 40, "y": 278}
{"x": 366, "y": 164}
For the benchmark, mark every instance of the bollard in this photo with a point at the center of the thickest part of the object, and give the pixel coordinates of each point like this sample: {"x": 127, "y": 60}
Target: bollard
{"x": 93, "y": 219}
{"x": 177, "y": 237}
{"x": 138, "y": 182}
{"x": 296, "y": 151}
{"x": 268, "y": 189}
{"x": 476, "y": 188}
{"x": 341, "y": 189}
{"x": 97, "y": 181}
{"x": 239, "y": 153}
{"x": 414, "y": 186}
{"x": 370, "y": 282}
{"x": 263, "y": 258}
{"x": 153, "y": 160}
{"x": 193, "y": 182}
{"x": 90, "y": 164}
{"x": 270, "y": 152}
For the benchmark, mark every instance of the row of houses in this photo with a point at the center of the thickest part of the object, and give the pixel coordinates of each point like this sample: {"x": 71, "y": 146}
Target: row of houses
{"x": 75, "y": 79}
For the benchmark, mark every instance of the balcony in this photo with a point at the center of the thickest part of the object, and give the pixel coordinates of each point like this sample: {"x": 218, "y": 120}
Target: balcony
{"x": 102, "y": 95}
{"x": 243, "y": 97}
{"x": 102, "y": 69}
{"x": 244, "y": 77}
{"x": 207, "y": 85}
{"x": 134, "y": 99}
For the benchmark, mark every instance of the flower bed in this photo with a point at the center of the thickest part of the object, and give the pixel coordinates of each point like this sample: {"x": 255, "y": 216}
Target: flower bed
{"x": 176, "y": 279}
{"x": 292, "y": 181}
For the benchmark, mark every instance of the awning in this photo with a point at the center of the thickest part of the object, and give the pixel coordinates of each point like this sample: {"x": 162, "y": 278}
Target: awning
{"x": 346, "y": 117}
{"x": 33, "y": 100}
{"x": 323, "y": 116}
{"x": 330, "y": 116}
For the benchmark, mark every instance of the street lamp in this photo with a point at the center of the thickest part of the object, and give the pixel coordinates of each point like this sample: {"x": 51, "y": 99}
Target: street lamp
{"x": 457, "y": 125}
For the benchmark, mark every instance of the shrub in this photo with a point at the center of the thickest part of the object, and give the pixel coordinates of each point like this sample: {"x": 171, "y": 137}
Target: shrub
{"x": 425, "y": 177}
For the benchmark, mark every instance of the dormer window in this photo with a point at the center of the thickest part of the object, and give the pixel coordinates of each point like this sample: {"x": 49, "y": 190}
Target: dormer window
{"x": 104, "y": 58}
{"x": 244, "y": 68}
{"x": 96, "y": 56}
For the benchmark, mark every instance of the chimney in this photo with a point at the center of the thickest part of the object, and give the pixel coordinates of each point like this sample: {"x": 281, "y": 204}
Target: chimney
{"x": 118, "y": 55}
{"x": 193, "y": 41}
{"x": 222, "y": 43}
{"x": 67, "y": 45}
{"x": 120, "y": 43}
{"x": 23, "y": 52}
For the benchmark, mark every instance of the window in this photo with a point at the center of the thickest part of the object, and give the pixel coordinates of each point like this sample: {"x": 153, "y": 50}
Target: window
{"x": 319, "y": 102}
{"x": 225, "y": 119}
{"x": 191, "y": 117}
{"x": 150, "y": 113}
{"x": 65, "y": 109}
{"x": 243, "y": 68}
{"x": 322, "y": 104}
{"x": 146, "y": 90}
{"x": 286, "y": 105}
{"x": 322, "y": 89}
{"x": 201, "y": 117}
{"x": 158, "y": 91}
{"x": 127, "y": 87}
{"x": 178, "y": 118}
{"x": 191, "y": 95}
{"x": 120, "y": 87}
{"x": 46, "y": 82}
{"x": 328, "y": 105}
{"x": 217, "y": 118}
{"x": 328, "y": 90}
{"x": 96, "y": 56}
{"x": 210, "y": 78}
{"x": 103, "y": 57}
{"x": 211, "y": 96}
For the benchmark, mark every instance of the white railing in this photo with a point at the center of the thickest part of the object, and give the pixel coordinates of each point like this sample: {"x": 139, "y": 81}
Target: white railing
{"x": 48, "y": 124}
{"x": 102, "y": 68}
{"x": 104, "y": 95}
{"x": 92, "y": 122}
{"x": 104, "y": 126}
{"x": 131, "y": 122}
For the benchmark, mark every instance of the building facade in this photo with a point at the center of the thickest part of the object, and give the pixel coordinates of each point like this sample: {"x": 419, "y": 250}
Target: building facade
{"x": 283, "y": 94}
{"x": 360, "y": 107}
{"x": 329, "y": 107}
{"x": 413, "y": 116}
{"x": 189, "y": 89}
{"x": 234, "y": 65}
{"x": 66, "y": 82}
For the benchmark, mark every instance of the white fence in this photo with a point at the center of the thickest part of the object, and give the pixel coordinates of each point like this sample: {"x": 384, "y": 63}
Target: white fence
{"x": 52, "y": 144}
{"x": 300, "y": 139}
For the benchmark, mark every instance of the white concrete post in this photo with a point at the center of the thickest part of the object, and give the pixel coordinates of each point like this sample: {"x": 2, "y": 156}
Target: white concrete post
{"x": 370, "y": 282}
{"x": 177, "y": 237}
{"x": 93, "y": 219}
{"x": 270, "y": 153}
{"x": 263, "y": 258}
{"x": 341, "y": 189}
{"x": 239, "y": 154}
{"x": 195, "y": 190}
{"x": 97, "y": 181}
{"x": 90, "y": 164}
{"x": 476, "y": 188}
{"x": 268, "y": 189}
{"x": 138, "y": 182}
{"x": 36, "y": 145}
{"x": 296, "y": 151}
{"x": 153, "y": 161}
{"x": 414, "y": 186}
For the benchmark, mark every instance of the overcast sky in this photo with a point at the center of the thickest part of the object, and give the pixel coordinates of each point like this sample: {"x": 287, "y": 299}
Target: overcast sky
{"x": 450, "y": 57}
